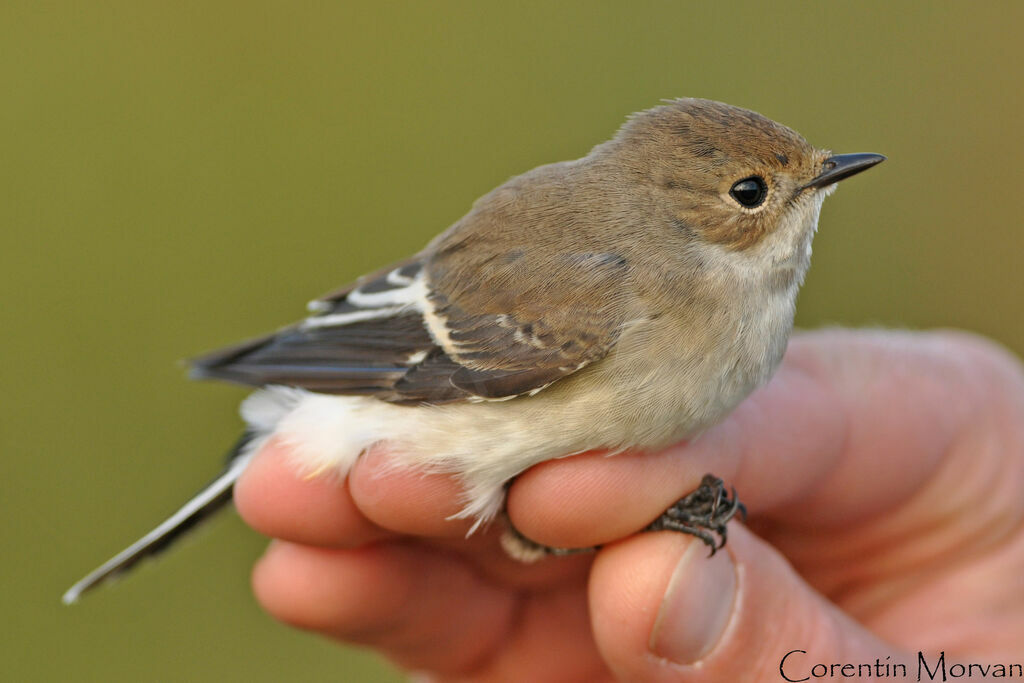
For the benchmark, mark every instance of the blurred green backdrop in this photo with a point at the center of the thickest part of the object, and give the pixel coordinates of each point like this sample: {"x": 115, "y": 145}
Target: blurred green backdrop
{"x": 176, "y": 176}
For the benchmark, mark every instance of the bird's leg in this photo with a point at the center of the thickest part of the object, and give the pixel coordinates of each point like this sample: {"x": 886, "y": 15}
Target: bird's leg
{"x": 521, "y": 548}
{"x": 703, "y": 513}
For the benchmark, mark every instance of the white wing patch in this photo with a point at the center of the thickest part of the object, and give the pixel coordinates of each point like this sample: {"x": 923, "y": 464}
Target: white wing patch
{"x": 416, "y": 358}
{"x": 405, "y": 294}
{"x": 437, "y": 326}
{"x": 396, "y": 278}
{"x": 339, "y": 319}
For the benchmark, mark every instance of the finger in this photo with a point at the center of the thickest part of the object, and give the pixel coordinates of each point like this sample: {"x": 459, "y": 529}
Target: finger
{"x": 843, "y": 407}
{"x": 792, "y": 426}
{"x": 376, "y": 500}
{"x": 406, "y": 501}
{"x": 425, "y": 609}
{"x": 276, "y": 501}
{"x": 418, "y": 504}
{"x": 663, "y": 611}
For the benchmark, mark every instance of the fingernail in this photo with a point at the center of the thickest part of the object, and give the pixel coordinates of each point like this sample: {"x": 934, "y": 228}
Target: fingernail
{"x": 696, "y": 607}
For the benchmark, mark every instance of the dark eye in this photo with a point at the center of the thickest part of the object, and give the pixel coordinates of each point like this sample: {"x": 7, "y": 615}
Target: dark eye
{"x": 749, "y": 192}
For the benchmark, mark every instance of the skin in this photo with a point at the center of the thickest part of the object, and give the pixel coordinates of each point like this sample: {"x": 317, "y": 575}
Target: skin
{"x": 883, "y": 473}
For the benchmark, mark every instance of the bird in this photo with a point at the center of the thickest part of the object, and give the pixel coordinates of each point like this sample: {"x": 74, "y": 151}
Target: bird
{"x": 624, "y": 300}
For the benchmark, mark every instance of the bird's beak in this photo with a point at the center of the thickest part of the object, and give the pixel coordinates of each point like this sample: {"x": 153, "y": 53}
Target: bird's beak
{"x": 843, "y": 166}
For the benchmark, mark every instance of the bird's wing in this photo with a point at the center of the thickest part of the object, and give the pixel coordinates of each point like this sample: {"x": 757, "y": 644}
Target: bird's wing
{"x": 435, "y": 329}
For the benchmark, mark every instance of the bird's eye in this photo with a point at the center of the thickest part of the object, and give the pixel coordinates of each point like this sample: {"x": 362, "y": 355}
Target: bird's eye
{"x": 749, "y": 192}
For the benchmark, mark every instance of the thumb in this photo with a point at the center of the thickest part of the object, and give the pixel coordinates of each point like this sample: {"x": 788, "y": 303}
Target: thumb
{"x": 663, "y": 611}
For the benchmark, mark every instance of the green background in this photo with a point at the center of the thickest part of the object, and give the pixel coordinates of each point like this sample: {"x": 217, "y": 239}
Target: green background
{"x": 176, "y": 176}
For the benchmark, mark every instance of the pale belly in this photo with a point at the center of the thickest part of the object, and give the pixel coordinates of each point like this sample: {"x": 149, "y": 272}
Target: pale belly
{"x": 657, "y": 387}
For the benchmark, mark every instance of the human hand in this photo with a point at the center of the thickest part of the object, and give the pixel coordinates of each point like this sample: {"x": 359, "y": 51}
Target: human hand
{"x": 883, "y": 472}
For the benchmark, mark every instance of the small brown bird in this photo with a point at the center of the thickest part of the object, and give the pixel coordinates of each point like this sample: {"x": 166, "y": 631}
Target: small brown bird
{"x": 624, "y": 300}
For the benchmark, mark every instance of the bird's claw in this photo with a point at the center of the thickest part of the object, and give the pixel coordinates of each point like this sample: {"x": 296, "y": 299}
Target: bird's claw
{"x": 704, "y": 513}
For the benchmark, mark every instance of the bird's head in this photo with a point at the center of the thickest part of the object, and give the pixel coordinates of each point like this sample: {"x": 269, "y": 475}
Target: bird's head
{"x": 726, "y": 181}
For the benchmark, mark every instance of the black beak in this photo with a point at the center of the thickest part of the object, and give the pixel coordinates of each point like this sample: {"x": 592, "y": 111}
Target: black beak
{"x": 842, "y": 166}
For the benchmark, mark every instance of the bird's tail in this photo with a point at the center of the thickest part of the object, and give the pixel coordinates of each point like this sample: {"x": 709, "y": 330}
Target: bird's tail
{"x": 198, "y": 509}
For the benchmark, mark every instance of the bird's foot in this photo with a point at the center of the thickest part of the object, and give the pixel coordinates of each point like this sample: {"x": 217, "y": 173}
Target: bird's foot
{"x": 703, "y": 513}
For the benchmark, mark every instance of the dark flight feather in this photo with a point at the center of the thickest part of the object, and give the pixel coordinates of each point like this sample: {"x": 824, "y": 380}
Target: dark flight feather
{"x": 371, "y": 338}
